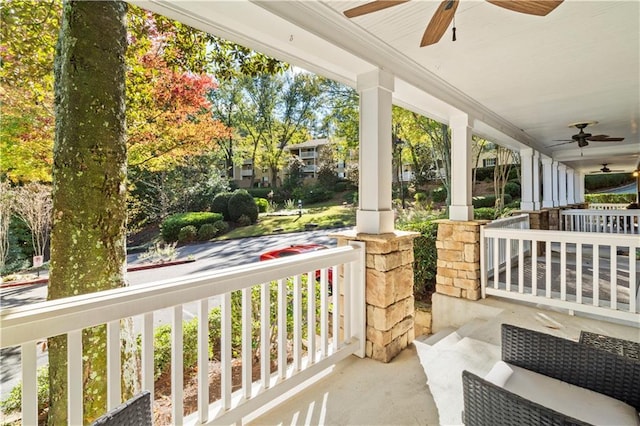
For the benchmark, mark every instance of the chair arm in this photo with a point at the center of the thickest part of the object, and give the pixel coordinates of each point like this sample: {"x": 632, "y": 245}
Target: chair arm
{"x": 491, "y": 405}
{"x": 572, "y": 362}
{"x": 134, "y": 412}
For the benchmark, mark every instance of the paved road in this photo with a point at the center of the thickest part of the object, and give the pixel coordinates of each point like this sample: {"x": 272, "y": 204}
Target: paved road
{"x": 209, "y": 257}
{"x": 627, "y": 189}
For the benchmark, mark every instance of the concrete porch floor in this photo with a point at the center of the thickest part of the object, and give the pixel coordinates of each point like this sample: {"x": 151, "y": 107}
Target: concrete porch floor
{"x": 423, "y": 385}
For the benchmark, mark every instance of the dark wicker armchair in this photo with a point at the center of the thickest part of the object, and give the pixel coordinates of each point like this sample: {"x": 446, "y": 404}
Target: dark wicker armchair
{"x": 134, "y": 412}
{"x": 571, "y": 362}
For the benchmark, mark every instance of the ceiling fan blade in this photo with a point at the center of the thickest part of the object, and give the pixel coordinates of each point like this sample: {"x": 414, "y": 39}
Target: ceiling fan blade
{"x": 597, "y": 137}
{"x": 370, "y": 7}
{"x": 529, "y": 7}
{"x": 439, "y": 22}
{"x": 564, "y": 142}
{"x": 604, "y": 138}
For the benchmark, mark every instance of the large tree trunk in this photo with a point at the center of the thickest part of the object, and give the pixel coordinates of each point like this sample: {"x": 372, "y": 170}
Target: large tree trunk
{"x": 89, "y": 191}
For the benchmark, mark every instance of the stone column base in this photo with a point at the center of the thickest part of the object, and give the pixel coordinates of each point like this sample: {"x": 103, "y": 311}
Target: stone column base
{"x": 389, "y": 291}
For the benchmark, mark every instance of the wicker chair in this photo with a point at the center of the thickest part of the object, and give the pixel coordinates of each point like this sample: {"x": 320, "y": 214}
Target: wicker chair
{"x": 134, "y": 412}
{"x": 571, "y": 362}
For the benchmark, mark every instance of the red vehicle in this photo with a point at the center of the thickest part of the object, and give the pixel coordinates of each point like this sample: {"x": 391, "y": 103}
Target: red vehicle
{"x": 298, "y": 249}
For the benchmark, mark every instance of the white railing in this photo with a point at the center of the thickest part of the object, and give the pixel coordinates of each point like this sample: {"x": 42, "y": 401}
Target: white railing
{"x": 611, "y": 221}
{"x": 607, "y": 206}
{"x": 310, "y": 169}
{"x": 308, "y": 154}
{"x": 325, "y": 330}
{"x": 577, "y": 271}
{"x": 498, "y": 262}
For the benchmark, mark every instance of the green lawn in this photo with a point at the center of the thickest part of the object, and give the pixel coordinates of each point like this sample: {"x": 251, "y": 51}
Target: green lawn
{"x": 324, "y": 217}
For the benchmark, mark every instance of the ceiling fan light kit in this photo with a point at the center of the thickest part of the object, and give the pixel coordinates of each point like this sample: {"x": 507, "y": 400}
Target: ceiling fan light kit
{"x": 445, "y": 13}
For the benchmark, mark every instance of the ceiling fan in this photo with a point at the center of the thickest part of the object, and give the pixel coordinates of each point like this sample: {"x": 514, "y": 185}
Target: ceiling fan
{"x": 583, "y": 138}
{"x": 605, "y": 169}
{"x": 444, "y": 15}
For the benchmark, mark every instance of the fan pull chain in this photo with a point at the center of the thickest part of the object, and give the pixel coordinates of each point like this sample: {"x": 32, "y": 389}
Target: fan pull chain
{"x": 454, "y": 28}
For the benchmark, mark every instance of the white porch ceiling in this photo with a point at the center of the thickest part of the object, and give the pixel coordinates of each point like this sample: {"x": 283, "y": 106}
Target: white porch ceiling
{"x": 521, "y": 78}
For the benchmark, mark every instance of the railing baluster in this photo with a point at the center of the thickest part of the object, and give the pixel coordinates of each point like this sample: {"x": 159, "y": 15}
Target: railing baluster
{"x": 311, "y": 317}
{"x": 247, "y": 358}
{"x": 534, "y": 267}
{"x": 74, "y": 378}
{"x": 613, "y": 273}
{"x": 507, "y": 259}
{"x": 297, "y": 323}
{"x": 346, "y": 306}
{"x": 203, "y": 360}
{"x": 548, "y": 269}
{"x": 579, "y": 273}
{"x": 633, "y": 278}
{"x": 596, "y": 275}
{"x": 282, "y": 329}
{"x": 520, "y": 265}
{"x": 147, "y": 353}
{"x": 265, "y": 334}
{"x": 563, "y": 269}
{"x": 29, "y": 366}
{"x": 496, "y": 261}
{"x": 225, "y": 349}
{"x": 113, "y": 365}
{"x": 177, "y": 363}
{"x": 324, "y": 313}
{"x": 335, "y": 298}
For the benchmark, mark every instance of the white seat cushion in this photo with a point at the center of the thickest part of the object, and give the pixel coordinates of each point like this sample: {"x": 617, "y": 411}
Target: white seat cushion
{"x": 574, "y": 401}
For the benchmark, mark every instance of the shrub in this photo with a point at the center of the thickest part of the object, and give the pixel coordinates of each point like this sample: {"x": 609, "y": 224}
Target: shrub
{"x": 439, "y": 194}
{"x": 341, "y": 186}
{"x": 221, "y": 226}
{"x": 242, "y": 203}
{"x": 259, "y": 192}
{"x": 351, "y": 197}
{"x": 220, "y": 204}
{"x": 488, "y": 200}
{"x": 207, "y": 232}
{"x": 610, "y": 198}
{"x": 13, "y": 401}
{"x": 484, "y": 213}
{"x": 425, "y": 256}
{"x": 171, "y": 226}
{"x": 513, "y": 189}
{"x": 606, "y": 180}
{"x": 312, "y": 194}
{"x": 244, "y": 220}
{"x": 187, "y": 234}
{"x": 420, "y": 197}
{"x": 263, "y": 205}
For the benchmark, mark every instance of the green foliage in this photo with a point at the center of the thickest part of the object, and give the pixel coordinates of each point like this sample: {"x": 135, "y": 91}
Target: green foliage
{"x": 439, "y": 194}
{"x": 342, "y": 186}
{"x": 351, "y": 197}
{"x": 263, "y": 205}
{"x": 312, "y": 194}
{"x": 244, "y": 220}
{"x": 20, "y": 247}
{"x": 607, "y": 180}
{"x": 610, "y": 198}
{"x": 259, "y": 192}
{"x": 486, "y": 174}
{"x": 207, "y": 232}
{"x": 484, "y": 213}
{"x": 13, "y": 402}
{"x": 221, "y": 226}
{"x": 425, "y": 255}
{"x": 513, "y": 189}
{"x": 420, "y": 197}
{"x": 171, "y": 226}
{"x": 220, "y": 204}
{"x": 187, "y": 234}
{"x": 242, "y": 203}
{"x": 488, "y": 200}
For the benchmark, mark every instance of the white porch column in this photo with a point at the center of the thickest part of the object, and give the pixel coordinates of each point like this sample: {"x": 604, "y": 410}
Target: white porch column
{"x": 571, "y": 186}
{"x": 562, "y": 185}
{"x": 547, "y": 182}
{"x": 579, "y": 186}
{"x": 536, "y": 181}
{"x": 526, "y": 187}
{"x": 375, "y": 215}
{"x": 555, "y": 186}
{"x": 461, "y": 207}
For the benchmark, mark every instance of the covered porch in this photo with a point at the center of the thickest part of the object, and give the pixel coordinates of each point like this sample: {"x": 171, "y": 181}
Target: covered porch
{"x": 513, "y": 79}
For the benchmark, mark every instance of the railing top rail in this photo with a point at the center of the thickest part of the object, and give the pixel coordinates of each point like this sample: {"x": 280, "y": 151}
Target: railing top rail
{"x": 619, "y": 240}
{"x": 33, "y": 322}
{"x": 597, "y": 212}
{"x": 504, "y": 222}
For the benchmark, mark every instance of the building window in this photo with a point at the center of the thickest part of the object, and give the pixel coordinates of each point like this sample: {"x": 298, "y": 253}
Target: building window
{"x": 489, "y": 162}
